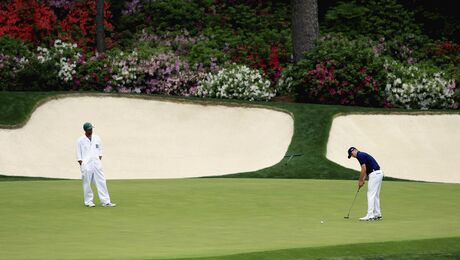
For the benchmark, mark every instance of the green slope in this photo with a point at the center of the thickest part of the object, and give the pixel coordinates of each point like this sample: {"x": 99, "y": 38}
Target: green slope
{"x": 215, "y": 217}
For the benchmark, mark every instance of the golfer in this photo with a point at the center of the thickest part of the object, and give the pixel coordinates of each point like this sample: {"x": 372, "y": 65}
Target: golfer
{"x": 371, "y": 168}
{"x": 89, "y": 156}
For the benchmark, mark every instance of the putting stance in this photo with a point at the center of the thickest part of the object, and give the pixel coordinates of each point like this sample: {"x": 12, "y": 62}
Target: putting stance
{"x": 89, "y": 156}
{"x": 371, "y": 168}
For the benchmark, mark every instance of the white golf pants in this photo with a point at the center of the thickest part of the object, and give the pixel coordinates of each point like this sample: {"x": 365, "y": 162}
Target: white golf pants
{"x": 92, "y": 172}
{"x": 373, "y": 193}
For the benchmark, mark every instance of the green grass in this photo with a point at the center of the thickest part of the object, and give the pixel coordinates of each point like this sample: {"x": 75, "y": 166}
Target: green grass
{"x": 218, "y": 217}
{"x": 16, "y": 107}
{"x": 229, "y": 218}
{"x": 429, "y": 249}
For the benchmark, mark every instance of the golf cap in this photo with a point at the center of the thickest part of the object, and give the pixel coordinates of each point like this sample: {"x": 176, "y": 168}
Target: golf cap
{"x": 349, "y": 151}
{"x": 87, "y": 126}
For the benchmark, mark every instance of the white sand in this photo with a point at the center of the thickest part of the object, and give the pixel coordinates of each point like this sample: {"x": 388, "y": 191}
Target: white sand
{"x": 415, "y": 147}
{"x": 146, "y": 139}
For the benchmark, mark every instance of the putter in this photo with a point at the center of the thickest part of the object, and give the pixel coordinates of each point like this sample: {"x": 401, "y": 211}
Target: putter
{"x": 348, "y": 216}
{"x": 290, "y": 156}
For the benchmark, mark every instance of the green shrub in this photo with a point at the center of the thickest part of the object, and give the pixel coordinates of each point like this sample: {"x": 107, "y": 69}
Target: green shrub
{"x": 14, "y": 47}
{"x": 38, "y": 76}
{"x": 174, "y": 15}
{"x": 340, "y": 71}
{"x": 373, "y": 18}
{"x": 446, "y": 56}
{"x": 206, "y": 53}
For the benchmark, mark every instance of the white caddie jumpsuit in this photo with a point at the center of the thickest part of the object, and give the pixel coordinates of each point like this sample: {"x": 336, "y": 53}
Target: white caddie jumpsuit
{"x": 88, "y": 151}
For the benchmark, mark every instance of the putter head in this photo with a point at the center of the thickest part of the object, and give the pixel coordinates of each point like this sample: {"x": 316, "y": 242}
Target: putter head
{"x": 347, "y": 217}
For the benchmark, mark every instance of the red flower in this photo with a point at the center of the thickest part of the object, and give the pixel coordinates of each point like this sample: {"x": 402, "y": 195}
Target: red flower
{"x": 80, "y": 26}
{"x": 27, "y": 20}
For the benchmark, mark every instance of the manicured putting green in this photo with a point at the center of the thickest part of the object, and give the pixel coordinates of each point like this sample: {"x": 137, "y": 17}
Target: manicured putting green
{"x": 214, "y": 217}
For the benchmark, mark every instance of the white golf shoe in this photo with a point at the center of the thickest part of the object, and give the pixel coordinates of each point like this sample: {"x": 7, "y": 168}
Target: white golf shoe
{"x": 90, "y": 205}
{"x": 378, "y": 217}
{"x": 367, "y": 218}
{"x": 109, "y": 204}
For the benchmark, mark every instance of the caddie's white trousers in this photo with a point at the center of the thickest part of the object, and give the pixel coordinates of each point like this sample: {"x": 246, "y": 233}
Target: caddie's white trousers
{"x": 373, "y": 193}
{"x": 92, "y": 172}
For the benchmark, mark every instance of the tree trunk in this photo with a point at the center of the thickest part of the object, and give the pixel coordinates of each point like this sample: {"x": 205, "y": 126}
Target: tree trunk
{"x": 305, "y": 27}
{"x": 100, "y": 46}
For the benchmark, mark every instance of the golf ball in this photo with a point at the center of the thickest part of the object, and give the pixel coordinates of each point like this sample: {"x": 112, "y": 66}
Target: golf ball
{"x": 322, "y": 222}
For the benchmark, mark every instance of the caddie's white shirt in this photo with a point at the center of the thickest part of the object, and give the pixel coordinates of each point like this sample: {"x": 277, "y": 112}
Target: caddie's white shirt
{"x": 88, "y": 151}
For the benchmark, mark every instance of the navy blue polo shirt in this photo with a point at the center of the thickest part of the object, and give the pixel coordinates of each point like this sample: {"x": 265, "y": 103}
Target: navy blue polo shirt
{"x": 369, "y": 161}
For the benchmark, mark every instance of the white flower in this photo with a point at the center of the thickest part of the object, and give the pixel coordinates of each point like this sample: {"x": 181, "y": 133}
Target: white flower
{"x": 238, "y": 82}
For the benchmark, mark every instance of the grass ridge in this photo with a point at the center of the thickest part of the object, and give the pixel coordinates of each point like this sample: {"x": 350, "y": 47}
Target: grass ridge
{"x": 405, "y": 249}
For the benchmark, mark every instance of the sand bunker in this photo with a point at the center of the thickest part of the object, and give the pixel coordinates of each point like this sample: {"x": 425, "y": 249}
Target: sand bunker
{"x": 415, "y": 147}
{"x": 146, "y": 139}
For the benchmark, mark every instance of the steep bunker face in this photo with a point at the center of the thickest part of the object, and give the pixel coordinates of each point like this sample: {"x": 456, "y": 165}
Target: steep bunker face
{"x": 146, "y": 139}
{"x": 414, "y": 147}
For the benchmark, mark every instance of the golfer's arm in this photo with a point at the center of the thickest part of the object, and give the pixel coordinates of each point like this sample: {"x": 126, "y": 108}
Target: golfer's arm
{"x": 362, "y": 176}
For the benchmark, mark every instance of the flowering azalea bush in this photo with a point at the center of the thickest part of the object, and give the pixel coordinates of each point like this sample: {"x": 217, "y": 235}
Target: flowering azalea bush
{"x": 124, "y": 71}
{"x": 167, "y": 74}
{"x": 49, "y": 68}
{"x": 29, "y": 20}
{"x": 9, "y": 68}
{"x": 35, "y": 21}
{"x": 285, "y": 84}
{"x": 236, "y": 82}
{"x": 413, "y": 87}
{"x": 79, "y": 25}
{"x": 268, "y": 62}
{"x": 325, "y": 85}
{"x": 65, "y": 55}
{"x": 350, "y": 74}
{"x": 164, "y": 73}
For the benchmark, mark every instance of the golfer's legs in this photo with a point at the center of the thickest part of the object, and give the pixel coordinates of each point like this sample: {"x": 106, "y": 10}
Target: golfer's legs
{"x": 377, "y": 195}
{"x": 101, "y": 186}
{"x": 373, "y": 193}
{"x": 87, "y": 191}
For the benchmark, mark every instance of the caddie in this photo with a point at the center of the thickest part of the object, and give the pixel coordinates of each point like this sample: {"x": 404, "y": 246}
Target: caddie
{"x": 371, "y": 168}
{"x": 89, "y": 156}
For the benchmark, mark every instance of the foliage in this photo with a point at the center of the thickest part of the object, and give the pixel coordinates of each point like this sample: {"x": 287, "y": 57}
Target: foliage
{"x": 248, "y": 32}
{"x": 418, "y": 87}
{"x": 339, "y": 71}
{"x": 385, "y": 18}
{"x": 38, "y": 76}
{"x": 79, "y": 25}
{"x": 162, "y": 15}
{"x": 196, "y": 49}
{"x": 14, "y": 47}
{"x": 167, "y": 74}
{"x": 28, "y": 20}
{"x": 9, "y": 68}
{"x": 164, "y": 73}
{"x": 45, "y": 69}
{"x": 92, "y": 73}
{"x": 446, "y": 56}
{"x": 385, "y": 21}
{"x": 236, "y": 82}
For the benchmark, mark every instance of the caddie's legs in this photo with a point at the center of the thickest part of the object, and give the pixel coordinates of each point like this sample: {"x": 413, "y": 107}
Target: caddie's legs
{"x": 102, "y": 191}
{"x": 87, "y": 177}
